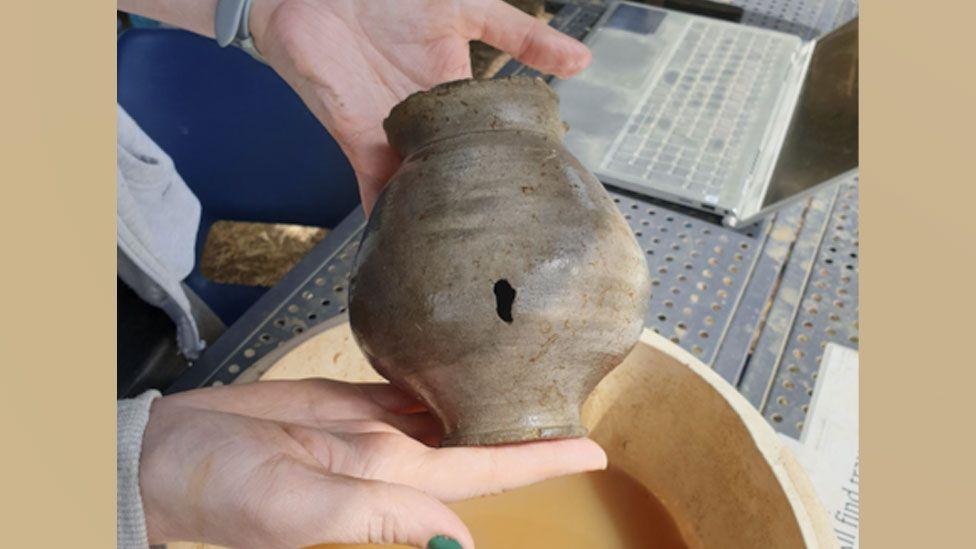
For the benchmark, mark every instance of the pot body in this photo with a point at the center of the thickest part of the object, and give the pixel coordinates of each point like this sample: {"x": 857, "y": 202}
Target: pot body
{"x": 496, "y": 279}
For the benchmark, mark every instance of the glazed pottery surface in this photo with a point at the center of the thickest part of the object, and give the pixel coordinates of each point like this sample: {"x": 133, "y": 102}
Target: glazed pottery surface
{"x": 496, "y": 279}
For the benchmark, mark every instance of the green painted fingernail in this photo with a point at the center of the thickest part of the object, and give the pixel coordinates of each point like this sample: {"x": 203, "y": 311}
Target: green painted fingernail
{"x": 443, "y": 542}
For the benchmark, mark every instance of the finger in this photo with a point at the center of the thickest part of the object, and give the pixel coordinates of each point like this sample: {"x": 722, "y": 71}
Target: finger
{"x": 363, "y": 449}
{"x": 391, "y": 398}
{"x": 448, "y": 474}
{"x": 421, "y": 427}
{"x": 455, "y": 63}
{"x": 353, "y": 510}
{"x": 452, "y": 474}
{"x": 307, "y": 401}
{"x": 374, "y": 162}
{"x": 525, "y": 37}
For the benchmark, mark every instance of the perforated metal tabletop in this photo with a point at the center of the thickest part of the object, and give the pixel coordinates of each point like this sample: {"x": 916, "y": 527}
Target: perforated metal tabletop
{"x": 758, "y": 304}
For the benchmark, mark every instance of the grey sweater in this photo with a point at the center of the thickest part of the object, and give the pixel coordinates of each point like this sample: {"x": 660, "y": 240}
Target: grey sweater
{"x": 132, "y": 415}
{"x": 158, "y": 217}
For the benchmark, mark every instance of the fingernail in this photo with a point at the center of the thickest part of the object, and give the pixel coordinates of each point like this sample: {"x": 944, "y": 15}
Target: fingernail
{"x": 443, "y": 542}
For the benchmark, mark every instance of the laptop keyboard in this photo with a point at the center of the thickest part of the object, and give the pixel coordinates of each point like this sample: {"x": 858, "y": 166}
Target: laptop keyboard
{"x": 694, "y": 121}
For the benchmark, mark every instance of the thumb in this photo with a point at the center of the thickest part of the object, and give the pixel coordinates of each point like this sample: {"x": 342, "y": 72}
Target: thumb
{"x": 525, "y": 37}
{"x": 374, "y": 162}
{"x": 369, "y": 511}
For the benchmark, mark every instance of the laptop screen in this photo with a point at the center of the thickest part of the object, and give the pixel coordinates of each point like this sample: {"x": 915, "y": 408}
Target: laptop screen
{"x": 822, "y": 139}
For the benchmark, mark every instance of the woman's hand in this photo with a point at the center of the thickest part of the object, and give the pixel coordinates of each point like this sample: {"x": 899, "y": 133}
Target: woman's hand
{"x": 295, "y": 463}
{"x": 351, "y": 61}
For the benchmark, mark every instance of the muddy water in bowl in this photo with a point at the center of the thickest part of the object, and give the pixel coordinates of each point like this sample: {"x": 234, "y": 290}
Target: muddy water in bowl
{"x": 607, "y": 509}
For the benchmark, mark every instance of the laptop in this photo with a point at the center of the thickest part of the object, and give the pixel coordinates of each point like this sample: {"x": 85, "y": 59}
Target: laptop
{"x": 730, "y": 119}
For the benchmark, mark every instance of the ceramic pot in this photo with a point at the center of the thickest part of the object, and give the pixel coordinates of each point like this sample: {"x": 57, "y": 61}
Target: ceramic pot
{"x": 496, "y": 279}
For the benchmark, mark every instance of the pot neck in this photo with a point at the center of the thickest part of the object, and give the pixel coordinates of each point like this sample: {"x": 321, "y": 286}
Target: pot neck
{"x": 473, "y": 106}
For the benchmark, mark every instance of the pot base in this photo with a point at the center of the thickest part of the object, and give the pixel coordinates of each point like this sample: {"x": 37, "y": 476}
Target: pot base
{"x": 511, "y": 436}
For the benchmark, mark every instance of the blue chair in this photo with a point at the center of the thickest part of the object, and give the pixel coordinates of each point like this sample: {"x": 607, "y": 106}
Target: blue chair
{"x": 240, "y": 138}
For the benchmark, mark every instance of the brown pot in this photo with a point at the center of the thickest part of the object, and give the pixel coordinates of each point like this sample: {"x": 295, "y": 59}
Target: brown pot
{"x": 496, "y": 279}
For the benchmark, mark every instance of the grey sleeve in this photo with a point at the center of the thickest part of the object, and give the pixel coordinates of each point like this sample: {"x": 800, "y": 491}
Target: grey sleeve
{"x": 132, "y": 415}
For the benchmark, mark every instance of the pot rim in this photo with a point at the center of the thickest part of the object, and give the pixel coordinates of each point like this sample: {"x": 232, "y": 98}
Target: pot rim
{"x": 453, "y": 86}
{"x": 457, "y": 107}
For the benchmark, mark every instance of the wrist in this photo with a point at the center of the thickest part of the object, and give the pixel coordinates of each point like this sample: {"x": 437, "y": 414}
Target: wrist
{"x": 193, "y": 15}
{"x": 258, "y": 19}
{"x": 156, "y": 483}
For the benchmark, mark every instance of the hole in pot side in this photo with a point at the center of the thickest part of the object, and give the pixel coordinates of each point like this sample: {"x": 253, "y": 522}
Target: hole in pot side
{"x": 504, "y": 298}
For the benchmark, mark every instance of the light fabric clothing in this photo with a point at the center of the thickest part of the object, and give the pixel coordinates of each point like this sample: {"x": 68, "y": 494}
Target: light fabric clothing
{"x": 158, "y": 219}
{"x": 131, "y": 417}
